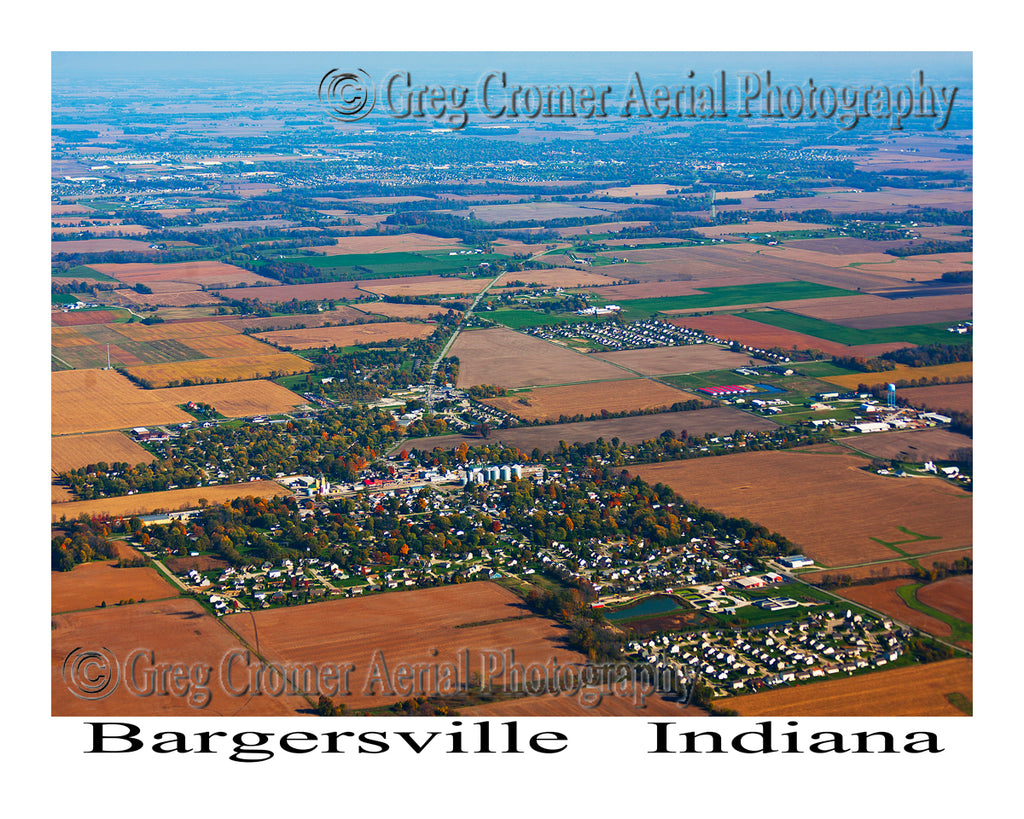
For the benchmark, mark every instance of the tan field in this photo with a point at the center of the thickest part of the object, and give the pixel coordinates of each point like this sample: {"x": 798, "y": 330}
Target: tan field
{"x": 917, "y": 691}
{"x": 238, "y": 399}
{"x": 404, "y": 242}
{"x": 854, "y": 514}
{"x": 88, "y": 585}
{"x": 423, "y": 285}
{"x": 957, "y": 370}
{"x": 95, "y": 400}
{"x": 550, "y": 403}
{"x": 556, "y": 277}
{"x": 692, "y": 358}
{"x": 347, "y": 336}
{"x": 510, "y": 359}
{"x": 209, "y": 273}
{"x": 172, "y": 500}
{"x": 949, "y": 397}
{"x": 208, "y": 370}
{"x": 74, "y": 451}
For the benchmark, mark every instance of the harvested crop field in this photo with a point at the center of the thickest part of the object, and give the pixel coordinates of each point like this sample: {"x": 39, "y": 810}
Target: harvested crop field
{"x": 209, "y": 370}
{"x": 414, "y": 311}
{"x": 74, "y": 451}
{"x": 208, "y": 273}
{"x": 302, "y": 292}
{"x": 542, "y": 211}
{"x": 867, "y": 312}
{"x": 99, "y": 400}
{"x": 78, "y": 318}
{"x": 722, "y": 420}
{"x": 945, "y": 397}
{"x": 912, "y": 446}
{"x": 510, "y": 359}
{"x": 760, "y": 227}
{"x": 916, "y": 691}
{"x": 89, "y": 585}
{"x": 961, "y": 369}
{"x": 889, "y": 200}
{"x": 570, "y": 705}
{"x": 550, "y": 403}
{"x": 555, "y": 277}
{"x": 692, "y": 358}
{"x": 883, "y": 597}
{"x": 238, "y": 399}
{"x": 180, "y": 298}
{"x": 177, "y": 631}
{"x": 423, "y": 285}
{"x": 347, "y": 336}
{"x": 339, "y": 315}
{"x": 951, "y": 595}
{"x": 855, "y": 511}
{"x": 407, "y": 242}
{"x": 424, "y": 626}
{"x": 173, "y": 500}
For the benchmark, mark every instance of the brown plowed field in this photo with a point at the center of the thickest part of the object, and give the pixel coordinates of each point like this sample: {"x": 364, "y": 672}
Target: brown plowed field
{"x": 918, "y": 445}
{"x": 422, "y": 285}
{"x": 883, "y": 597}
{"x": 95, "y": 400}
{"x": 569, "y": 705}
{"x": 887, "y": 200}
{"x": 206, "y": 272}
{"x": 402, "y": 242}
{"x": 876, "y": 571}
{"x": 510, "y": 359}
{"x": 347, "y": 336}
{"x": 424, "y": 626}
{"x": 916, "y": 691}
{"x": 101, "y": 230}
{"x": 175, "y": 631}
{"x": 951, "y": 397}
{"x": 952, "y": 595}
{"x": 843, "y": 309}
{"x": 722, "y": 420}
{"x": 241, "y": 368}
{"x": 756, "y": 334}
{"x": 851, "y": 506}
{"x": 945, "y": 557}
{"x": 759, "y": 227}
{"x": 692, "y": 358}
{"x": 90, "y": 584}
{"x": 414, "y": 311}
{"x": 555, "y": 277}
{"x": 73, "y": 451}
{"x": 600, "y": 227}
{"x": 302, "y": 292}
{"x": 550, "y": 403}
{"x": 77, "y": 318}
{"x": 238, "y": 399}
{"x": 99, "y": 246}
{"x": 172, "y": 500}
{"x": 850, "y": 382}
{"x": 183, "y": 298}
{"x": 339, "y": 315}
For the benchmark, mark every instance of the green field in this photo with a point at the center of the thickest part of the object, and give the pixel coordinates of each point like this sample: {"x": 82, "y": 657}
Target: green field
{"x": 62, "y": 298}
{"x": 914, "y": 334}
{"x": 961, "y": 630}
{"x": 517, "y": 319}
{"x": 795, "y": 387}
{"x": 726, "y": 296}
{"x": 387, "y": 265}
{"x": 82, "y": 272}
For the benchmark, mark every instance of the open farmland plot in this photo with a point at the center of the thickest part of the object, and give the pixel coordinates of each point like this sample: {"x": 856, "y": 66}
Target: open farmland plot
{"x": 917, "y": 334}
{"x": 952, "y": 595}
{"x": 428, "y": 625}
{"x": 405, "y": 311}
{"x": 574, "y": 705}
{"x": 750, "y": 294}
{"x": 913, "y": 446}
{"x": 100, "y": 400}
{"x": 173, "y": 500}
{"x": 339, "y": 315}
{"x": 347, "y": 336}
{"x": 866, "y": 312}
{"x": 302, "y": 292}
{"x": 555, "y": 277}
{"x": 917, "y": 691}
{"x": 77, "y": 318}
{"x": 550, "y": 403}
{"x": 839, "y": 200}
{"x": 720, "y": 420}
{"x": 884, "y": 598}
{"x": 407, "y": 242}
{"x": 423, "y": 286}
{"x": 177, "y": 631}
{"x": 71, "y": 452}
{"x": 541, "y": 211}
{"x": 209, "y": 370}
{"x": 100, "y": 246}
{"x": 961, "y": 369}
{"x": 208, "y": 273}
{"x": 90, "y": 584}
{"x": 238, "y": 399}
{"x": 942, "y": 398}
{"x": 857, "y": 516}
{"x": 691, "y": 358}
{"x": 510, "y": 359}
{"x": 714, "y": 231}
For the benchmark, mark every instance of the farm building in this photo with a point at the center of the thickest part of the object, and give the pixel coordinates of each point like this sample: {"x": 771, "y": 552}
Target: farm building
{"x": 795, "y": 561}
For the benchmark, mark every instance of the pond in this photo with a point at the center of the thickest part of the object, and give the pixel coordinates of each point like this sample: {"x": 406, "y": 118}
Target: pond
{"x": 656, "y": 604}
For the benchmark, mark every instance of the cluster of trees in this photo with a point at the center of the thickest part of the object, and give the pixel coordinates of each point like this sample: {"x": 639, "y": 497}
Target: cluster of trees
{"x": 931, "y": 246}
{"x": 930, "y": 355}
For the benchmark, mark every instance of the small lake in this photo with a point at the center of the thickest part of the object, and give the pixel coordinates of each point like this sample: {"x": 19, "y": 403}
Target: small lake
{"x": 656, "y": 604}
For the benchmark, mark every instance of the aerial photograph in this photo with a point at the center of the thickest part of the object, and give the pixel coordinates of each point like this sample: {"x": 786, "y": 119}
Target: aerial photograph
{"x": 493, "y": 385}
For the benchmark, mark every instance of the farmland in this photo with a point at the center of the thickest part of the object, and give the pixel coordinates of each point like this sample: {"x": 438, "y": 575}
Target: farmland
{"x": 346, "y": 336}
{"x": 174, "y": 631}
{"x": 209, "y": 274}
{"x": 913, "y": 446}
{"x": 240, "y": 368}
{"x": 171, "y": 500}
{"x": 952, "y": 595}
{"x": 73, "y": 451}
{"x": 915, "y": 691}
{"x": 722, "y": 420}
{"x": 549, "y": 403}
{"x": 850, "y": 336}
{"x": 436, "y": 625}
{"x": 692, "y": 358}
{"x": 885, "y": 598}
{"x": 238, "y": 399}
{"x": 961, "y": 369}
{"x": 99, "y": 400}
{"x": 92, "y": 584}
{"x": 942, "y": 398}
{"x": 857, "y": 516}
{"x": 509, "y": 359}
